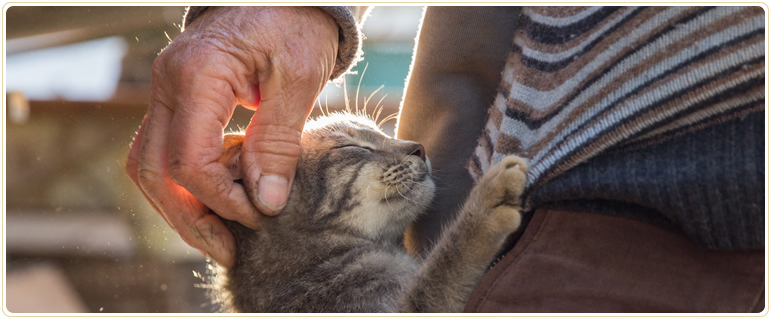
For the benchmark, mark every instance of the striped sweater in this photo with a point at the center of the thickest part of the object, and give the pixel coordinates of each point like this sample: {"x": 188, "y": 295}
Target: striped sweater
{"x": 583, "y": 82}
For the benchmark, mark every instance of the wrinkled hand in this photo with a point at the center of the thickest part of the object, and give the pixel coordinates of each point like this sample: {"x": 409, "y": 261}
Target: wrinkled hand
{"x": 275, "y": 60}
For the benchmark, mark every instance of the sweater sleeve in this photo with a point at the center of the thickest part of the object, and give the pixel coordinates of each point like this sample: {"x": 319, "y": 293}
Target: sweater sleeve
{"x": 349, "y": 19}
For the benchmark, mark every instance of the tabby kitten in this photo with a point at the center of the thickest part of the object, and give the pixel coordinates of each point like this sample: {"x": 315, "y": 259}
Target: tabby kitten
{"x": 336, "y": 247}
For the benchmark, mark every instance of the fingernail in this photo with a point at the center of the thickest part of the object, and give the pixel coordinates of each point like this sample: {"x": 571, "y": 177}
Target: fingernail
{"x": 273, "y": 192}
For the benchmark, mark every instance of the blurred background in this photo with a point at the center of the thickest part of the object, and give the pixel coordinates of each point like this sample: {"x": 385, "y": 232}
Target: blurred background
{"x": 79, "y": 235}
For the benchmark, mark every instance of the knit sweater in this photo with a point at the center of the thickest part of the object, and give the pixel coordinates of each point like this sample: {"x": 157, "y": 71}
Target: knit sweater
{"x": 582, "y": 84}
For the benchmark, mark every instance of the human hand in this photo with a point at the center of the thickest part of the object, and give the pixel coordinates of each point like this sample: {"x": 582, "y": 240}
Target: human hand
{"x": 274, "y": 60}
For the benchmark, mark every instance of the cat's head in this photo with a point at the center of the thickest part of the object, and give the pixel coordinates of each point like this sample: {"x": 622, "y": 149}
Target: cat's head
{"x": 352, "y": 175}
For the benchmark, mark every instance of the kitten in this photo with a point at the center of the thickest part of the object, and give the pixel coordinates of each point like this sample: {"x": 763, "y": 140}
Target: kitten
{"x": 336, "y": 247}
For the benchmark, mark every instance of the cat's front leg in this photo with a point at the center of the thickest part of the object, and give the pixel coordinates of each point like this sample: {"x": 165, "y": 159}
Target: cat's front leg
{"x": 466, "y": 248}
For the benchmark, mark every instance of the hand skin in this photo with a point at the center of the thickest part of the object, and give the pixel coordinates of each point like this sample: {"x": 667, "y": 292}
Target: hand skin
{"x": 274, "y": 60}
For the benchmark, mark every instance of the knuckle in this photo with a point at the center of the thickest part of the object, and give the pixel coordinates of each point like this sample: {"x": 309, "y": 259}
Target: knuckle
{"x": 199, "y": 234}
{"x": 174, "y": 61}
{"x": 274, "y": 148}
{"x": 303, "y": 73}
{"x": 180, "y": 171}
{"x": 147, "y": 178}
{"x": 273, "y": 139}
{"x": 300, "y": 70}
{"x": 192, "y": 238}
{"x": 159, "y": 64}
{"x": 222, "y": 188}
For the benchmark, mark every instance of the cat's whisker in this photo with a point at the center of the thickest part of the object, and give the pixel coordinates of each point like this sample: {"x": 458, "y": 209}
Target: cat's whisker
{"x": 359, "y": 87}
{"x": 405, "y": 197}
{"x": 318, "y": 100}
{"x": 388, "y": 118}
{"x": 435, "y": 187}
{"x": 345, "y": 95}
{"x": 366, "y": 101}
{"x": 400, "y": 193}
{"x": 326, "y": 102}
{"x": 385, "y": 196}
{"x": 436, "y": 178}
{"x": 381, "y": 108}
{"x": 368, "y": 186}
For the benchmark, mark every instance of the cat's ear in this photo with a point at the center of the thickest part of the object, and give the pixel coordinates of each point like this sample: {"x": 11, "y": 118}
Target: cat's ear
{"x": 231, "y": 152}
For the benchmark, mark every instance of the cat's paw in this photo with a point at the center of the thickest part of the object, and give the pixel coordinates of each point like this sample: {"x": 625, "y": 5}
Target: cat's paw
{"x": 500, "y": 191}
{"x": 503, "y": 183}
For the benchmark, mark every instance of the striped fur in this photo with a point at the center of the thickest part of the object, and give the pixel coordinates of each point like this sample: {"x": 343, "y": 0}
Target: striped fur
{"x": 582, "y": 81}
{"x": 337, "y": 246}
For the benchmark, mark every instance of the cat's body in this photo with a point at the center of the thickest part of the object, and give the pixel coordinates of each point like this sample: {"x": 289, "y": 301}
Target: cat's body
{"x": 336, "y": 247}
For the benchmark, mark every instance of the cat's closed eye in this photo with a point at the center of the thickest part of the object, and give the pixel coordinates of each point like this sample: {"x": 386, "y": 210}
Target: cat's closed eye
{"x": 353, "y": 146}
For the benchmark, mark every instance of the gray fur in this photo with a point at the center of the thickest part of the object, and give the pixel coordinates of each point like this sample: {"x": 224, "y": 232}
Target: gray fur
{"x": 336, "y": 247}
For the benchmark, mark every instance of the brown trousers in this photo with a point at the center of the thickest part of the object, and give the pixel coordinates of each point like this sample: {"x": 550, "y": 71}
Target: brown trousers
{"x": 580, "y": 262}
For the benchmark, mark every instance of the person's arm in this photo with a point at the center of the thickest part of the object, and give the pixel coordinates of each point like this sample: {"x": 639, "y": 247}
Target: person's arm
{"x": 274, "y": 60}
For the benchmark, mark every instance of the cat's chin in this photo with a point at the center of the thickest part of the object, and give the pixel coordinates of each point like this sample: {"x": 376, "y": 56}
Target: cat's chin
{"x": 411, "y": 204}
{"x": 387, "y": 218}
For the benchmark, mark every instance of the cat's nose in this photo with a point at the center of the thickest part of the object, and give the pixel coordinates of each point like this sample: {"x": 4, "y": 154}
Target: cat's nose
{"x": 419, "y": 151}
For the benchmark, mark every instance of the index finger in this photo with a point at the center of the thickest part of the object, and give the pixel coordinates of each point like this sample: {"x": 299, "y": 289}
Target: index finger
{"x": 195, "y": 147}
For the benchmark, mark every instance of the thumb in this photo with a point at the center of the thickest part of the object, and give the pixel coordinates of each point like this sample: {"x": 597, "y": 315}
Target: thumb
{"x": 271, "y": 150}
